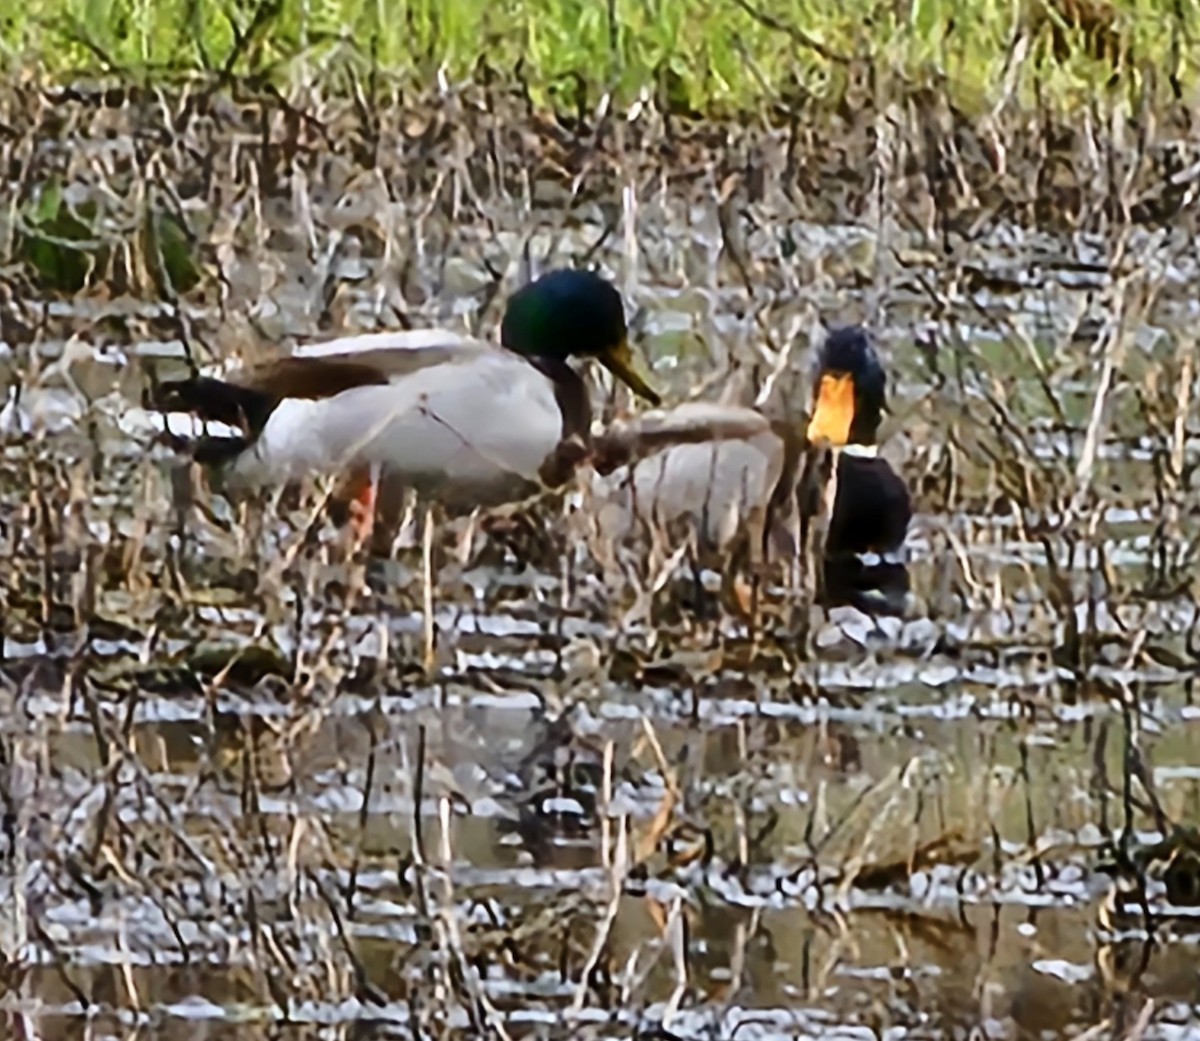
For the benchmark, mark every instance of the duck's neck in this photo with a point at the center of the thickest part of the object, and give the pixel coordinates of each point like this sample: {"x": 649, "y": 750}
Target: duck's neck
{"x": 571, "y": 393}
{"x": 857, "y": 451}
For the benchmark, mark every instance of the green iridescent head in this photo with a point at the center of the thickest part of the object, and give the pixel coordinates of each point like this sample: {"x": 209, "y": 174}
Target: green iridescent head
{"x": 567, "y": 313}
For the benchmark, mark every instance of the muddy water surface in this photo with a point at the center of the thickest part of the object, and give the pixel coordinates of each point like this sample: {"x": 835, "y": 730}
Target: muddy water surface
{"x": 238, "y": 804}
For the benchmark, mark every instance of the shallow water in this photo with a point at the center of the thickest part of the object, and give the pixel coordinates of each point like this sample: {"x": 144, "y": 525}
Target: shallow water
{"x": 238, "y": 803}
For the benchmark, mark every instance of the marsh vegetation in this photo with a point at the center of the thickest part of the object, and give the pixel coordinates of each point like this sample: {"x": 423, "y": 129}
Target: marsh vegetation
{"x": 518, "y": 781}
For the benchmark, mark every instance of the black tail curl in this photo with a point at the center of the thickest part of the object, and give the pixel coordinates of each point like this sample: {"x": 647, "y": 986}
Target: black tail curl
{"x": 215, "y": 401}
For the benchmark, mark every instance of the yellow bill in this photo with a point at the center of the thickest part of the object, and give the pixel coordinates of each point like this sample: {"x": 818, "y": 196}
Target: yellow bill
{"x": 619, "y": 361}
{"x": 834, "y": 414}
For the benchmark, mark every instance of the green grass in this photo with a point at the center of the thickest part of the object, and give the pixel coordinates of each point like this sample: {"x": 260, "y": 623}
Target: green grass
{"x": 710, "y": 55}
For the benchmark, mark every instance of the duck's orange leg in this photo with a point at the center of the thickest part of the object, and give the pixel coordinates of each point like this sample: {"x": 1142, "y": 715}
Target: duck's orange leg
{"x": 358, "y": 494}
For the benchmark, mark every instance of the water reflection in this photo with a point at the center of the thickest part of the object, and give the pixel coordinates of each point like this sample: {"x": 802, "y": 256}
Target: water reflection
{"x": 241, "y": 804}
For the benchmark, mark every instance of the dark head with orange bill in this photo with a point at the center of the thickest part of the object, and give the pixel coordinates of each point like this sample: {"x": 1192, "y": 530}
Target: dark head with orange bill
{"x": 851, "y": 390}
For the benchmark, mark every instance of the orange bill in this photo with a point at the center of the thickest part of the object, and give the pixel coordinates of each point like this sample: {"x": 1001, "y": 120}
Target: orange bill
{"x": 834, "y": 414}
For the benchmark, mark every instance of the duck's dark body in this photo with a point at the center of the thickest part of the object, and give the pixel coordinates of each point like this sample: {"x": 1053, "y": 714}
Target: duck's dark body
{"x": 872, "y": 508}
{"x": 871, "y": 513}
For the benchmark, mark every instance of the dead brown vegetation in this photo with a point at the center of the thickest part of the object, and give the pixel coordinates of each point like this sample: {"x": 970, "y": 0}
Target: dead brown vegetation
{"x": 224, "y": 724}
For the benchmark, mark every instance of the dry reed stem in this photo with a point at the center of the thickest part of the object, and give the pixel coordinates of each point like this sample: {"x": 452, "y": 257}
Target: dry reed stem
{"x": 450, "y": 212}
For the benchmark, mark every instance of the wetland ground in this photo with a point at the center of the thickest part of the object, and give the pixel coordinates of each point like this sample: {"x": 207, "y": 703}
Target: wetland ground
{"x": 249, "y": 790}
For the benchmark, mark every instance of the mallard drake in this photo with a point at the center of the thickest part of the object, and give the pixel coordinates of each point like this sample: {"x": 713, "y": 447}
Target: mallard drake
{"x": 871, "y": 507}
{"x": 738, "y": 475}
{"x": 451, "y": 416}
